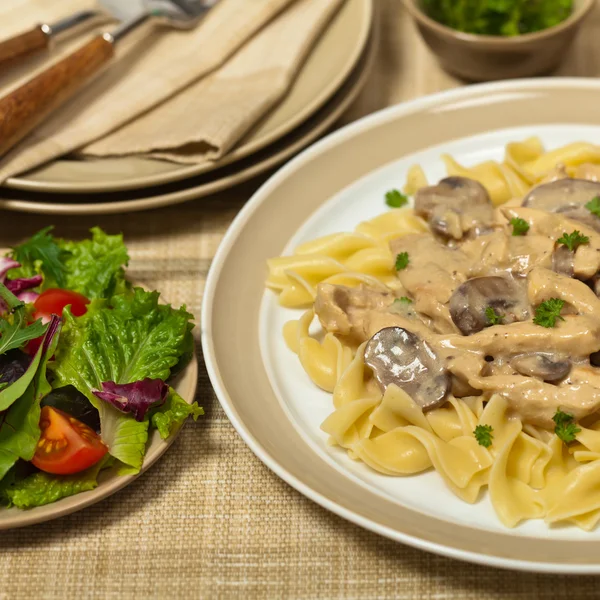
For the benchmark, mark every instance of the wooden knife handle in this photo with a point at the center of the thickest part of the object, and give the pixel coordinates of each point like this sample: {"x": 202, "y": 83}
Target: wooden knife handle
{"x": 23, "y": 45}
{"x": 26, "y": 107}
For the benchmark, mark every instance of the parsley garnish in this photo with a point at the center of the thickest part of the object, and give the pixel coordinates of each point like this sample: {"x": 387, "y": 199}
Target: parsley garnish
{"x": 42, "y": 247}
{"x": 484, "y": 435}
{"x": 548, "y": 312}
{"x": 403, "y": 300}
{"x": 566, "y": 428}
{"x": 401, "y": 261}
{"x": 394, "y": 199}
{"x": 573, "y": 240}
{"x": 14, "y": 331}
{"x": 594, "y": 206}
{"x": 520, "y": 226}
{"x": 492, "y": 316}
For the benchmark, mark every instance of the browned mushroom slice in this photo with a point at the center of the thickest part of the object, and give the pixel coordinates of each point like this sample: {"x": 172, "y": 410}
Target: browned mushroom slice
{"x": 563, "y": 261}
{"x": 455, "y": 206}
{"x": 568, "y": 197}
{"x": 398, "y": 356}
{"x": 471, "y": 300}
{"x": 546, "y": 366}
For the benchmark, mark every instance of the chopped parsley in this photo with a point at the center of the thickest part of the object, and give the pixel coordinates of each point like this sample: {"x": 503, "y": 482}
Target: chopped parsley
{"x": 403, "y": 300}
{"x": 566, "y": 428}
{"x": 520, "y": 226}
{"x": 492, "y": 316}
{"x": 484, "y": 435}
{"x": 401, "y": 261}
{"x": 394, "y": 199}
{"x": 573, "y": 240}
{"x": 548, "y": 312}
{"x": 594, "y": 206}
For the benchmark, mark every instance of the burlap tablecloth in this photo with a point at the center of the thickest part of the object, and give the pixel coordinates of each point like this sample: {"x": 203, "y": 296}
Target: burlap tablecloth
{"x": 209, "y": 520}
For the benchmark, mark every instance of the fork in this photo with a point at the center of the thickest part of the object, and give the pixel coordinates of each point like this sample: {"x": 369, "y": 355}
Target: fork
{"x": 28, "y": 106}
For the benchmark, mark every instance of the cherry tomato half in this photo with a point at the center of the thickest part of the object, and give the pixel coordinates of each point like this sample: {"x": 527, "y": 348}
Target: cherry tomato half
{"x": 53, "y": 301}
{"x": 67, "y": 445}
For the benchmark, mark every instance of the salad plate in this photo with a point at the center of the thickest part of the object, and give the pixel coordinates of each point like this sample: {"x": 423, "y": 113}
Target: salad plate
{"x": 93, "y": 437}
{"x": 335, "y": 186}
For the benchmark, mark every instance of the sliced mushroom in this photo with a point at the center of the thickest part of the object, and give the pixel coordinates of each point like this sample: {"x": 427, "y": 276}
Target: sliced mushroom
{"x": 398, "y": 356}
{"x": 568, "y": 197}
{"x": 455, "y": 206}
{"x": 563, "y": 261}
{"x": 546, "y": 366}
{"x": 471, "y": 299}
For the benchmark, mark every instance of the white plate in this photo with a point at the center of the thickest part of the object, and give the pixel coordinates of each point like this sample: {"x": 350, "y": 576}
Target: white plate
{"x": 342, "y": 184}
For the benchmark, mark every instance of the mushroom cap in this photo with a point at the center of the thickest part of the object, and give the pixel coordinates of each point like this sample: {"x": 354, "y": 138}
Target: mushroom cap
{"x": 455, "y": 206}
{"x": 545, "y": 365}
{"x": 470, "y": 300}
{"x": 563, "y": 261}
{"x": 568, "y": 197}
{"x": 398, "y": 356}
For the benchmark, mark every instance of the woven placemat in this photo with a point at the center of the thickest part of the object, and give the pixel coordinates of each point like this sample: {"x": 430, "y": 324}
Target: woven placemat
{"x": 209, "y": 520}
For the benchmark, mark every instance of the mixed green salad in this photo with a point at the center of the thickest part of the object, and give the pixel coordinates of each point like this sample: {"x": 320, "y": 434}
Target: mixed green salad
{"x": 85, "y": 365}
{"x": 499, "y": 17}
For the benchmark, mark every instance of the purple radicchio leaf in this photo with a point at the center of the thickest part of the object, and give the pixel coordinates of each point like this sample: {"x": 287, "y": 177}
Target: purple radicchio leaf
{"x": 6, "y": 264}
{"x": 136, "y": 398}
{"x": 18, "y": 286}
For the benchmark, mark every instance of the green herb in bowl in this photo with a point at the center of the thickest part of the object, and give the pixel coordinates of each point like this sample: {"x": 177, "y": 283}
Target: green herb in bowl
{"x": 499, "y": 17}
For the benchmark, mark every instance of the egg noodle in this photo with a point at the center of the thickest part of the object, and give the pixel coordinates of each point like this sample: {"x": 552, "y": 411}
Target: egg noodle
{"x": 529, "y": 471}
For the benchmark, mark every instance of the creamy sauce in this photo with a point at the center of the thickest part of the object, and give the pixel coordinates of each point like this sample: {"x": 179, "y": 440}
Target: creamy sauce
{"x": 472, "y": 262}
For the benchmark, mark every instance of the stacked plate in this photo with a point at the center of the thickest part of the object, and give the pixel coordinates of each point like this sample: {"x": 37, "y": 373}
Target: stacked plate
{"x": 329, "y": 81}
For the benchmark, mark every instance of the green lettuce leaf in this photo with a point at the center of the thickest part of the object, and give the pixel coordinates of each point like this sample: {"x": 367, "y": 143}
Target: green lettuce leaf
{"x": 43, "y": 488}
{"x": 133, "y": 338}
{"x": 172, "y": 414}
{"x": 19, "y": 425}
{"x": 92, "y": 267}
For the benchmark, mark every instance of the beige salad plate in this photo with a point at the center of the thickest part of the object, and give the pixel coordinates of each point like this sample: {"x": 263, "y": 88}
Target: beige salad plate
{"x": 333, "y": 185}
{"x": 215, "y": 182}
{"x": 327, "y": 67}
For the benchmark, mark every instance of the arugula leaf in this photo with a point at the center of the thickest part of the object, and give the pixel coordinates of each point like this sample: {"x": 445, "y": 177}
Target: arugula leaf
{"x": 594, "y": 206}
{"x": 520, "y": 226}
{"x": 566, "y": 428}
{"x": 573, "y": 240}
{"x": 41, "y": 252}
{"x": 492, "y": 316}
{"x": 484, "y": 435}
{"x": 19, "y": 424}
{"x": 11, "y": 301}
{"x": 402, "y": 261}
{"x": 169, "y": 417}
{"x": 132, "y": 339}
{"x": 15, "y": 333}
{"x": 41, "y": 488}
{"x": 394, "y": 199}
{"x": 547, "y": 313}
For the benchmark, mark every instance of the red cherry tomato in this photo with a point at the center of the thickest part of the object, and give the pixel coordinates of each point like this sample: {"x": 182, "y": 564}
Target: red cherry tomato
{"x": 53, "y": 301}
{"x": 67, "y": 445}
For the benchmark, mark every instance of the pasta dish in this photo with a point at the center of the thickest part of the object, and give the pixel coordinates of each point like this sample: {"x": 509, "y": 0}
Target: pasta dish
{"x": 463, "y": 334}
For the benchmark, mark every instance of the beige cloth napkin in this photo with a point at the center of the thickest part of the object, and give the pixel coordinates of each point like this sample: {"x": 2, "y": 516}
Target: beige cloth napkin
{"x": 184, "y": 96}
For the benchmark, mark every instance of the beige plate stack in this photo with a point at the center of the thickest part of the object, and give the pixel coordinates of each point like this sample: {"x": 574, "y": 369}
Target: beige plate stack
{"x": 329, "y": 81}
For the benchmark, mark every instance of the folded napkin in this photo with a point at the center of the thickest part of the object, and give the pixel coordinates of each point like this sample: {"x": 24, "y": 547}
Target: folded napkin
{"x": 186, "y": 96}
